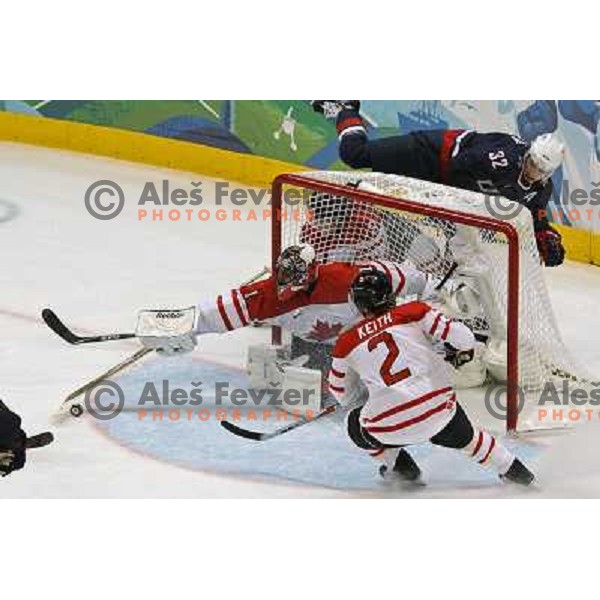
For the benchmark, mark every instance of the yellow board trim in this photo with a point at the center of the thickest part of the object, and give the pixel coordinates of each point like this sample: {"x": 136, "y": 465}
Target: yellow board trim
{"x": 249, "y": 169}
{"x": 577, "y": 243}
{"x": 138, "y": 147}
{"x": 595, "y": 248}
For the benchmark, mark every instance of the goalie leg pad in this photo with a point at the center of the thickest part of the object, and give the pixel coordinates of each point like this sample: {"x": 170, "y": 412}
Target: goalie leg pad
{"x": 319, "y": 354}
{"x": 494, "y": 358}
{"x": 301, "y": 390}
{"x": 264, "y": 366}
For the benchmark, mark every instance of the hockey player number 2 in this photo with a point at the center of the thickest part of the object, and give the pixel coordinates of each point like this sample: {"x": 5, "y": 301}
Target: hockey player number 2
{"x": 388, "y": 377}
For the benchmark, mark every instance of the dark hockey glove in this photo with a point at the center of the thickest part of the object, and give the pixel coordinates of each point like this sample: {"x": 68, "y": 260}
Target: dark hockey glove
{"x": 458, "y": 358}
{"x": 549, "y": 243}
{"x": 332, "y": 108}
{"x": 12, "y": 441}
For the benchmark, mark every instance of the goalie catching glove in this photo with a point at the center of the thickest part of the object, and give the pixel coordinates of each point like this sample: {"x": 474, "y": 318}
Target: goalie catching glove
{"x": 550, "y": 247}
{"x": 168, "y": 331}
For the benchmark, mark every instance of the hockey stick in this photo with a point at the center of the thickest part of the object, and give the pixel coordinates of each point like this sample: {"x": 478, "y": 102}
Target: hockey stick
{"x": 76, "y": 409}
{"x": 39, "y": 440}
{"x": 447, "y": 276}
{"x": 52, "y": 320}
{"x": 263, "y": 436}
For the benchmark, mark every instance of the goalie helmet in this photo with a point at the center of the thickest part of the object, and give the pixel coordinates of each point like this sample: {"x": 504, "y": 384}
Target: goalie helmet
{"x": 546, "y": 155}
{"x": 371, "y": 292}
{"x": 296, "y": 270}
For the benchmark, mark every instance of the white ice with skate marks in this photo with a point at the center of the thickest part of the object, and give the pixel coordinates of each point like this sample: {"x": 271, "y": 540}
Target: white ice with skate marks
{"x": 97, "y": 274}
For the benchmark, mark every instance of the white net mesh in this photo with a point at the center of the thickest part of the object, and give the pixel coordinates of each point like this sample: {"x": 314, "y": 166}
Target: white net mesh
{"x": 343, "y": 228}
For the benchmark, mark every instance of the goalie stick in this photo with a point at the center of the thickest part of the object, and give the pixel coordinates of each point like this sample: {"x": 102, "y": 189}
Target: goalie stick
{"x": 263, "y": 436}
{"x": 447, "y": 276}
{"x": 75, "y": 408}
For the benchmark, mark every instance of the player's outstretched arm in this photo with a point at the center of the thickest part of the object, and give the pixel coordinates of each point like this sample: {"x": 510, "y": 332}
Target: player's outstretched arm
{"x": 458, "y": 339}
{"x": 440, "y": 328}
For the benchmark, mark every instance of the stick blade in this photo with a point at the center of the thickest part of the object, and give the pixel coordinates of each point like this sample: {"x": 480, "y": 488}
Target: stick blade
{"x": 52, "y": 320}
{"x": 245, "y": 433}
{"x": 40, "y": 440}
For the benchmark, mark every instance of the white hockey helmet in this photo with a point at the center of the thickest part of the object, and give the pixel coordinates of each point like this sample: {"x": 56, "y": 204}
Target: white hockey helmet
{"x": 546, "y": 152}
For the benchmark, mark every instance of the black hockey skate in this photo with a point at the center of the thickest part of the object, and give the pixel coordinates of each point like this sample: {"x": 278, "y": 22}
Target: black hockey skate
{"x": 518, "y": 473}
{"x": 404, "y": 469}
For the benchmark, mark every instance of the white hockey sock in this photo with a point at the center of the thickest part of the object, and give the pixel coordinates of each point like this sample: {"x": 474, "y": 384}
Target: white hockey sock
{"x": 488, "y": 452}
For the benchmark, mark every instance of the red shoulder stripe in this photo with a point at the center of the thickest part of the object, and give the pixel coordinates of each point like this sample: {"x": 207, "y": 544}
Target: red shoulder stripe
{"x": 238, "y": 307}
{"x": 435, "y": 324}
{"x": 446, "y": 330}
{"x": 223, "y": 313}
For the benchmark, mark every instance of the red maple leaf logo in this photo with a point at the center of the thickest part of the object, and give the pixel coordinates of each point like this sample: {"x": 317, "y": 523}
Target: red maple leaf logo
{"x": 322, "y": 330}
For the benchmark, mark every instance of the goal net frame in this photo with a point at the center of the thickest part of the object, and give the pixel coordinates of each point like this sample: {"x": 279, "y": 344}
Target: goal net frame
{"x": 405, "y": 204}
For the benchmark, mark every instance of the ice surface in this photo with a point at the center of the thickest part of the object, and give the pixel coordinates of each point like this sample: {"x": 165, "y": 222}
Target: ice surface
{"x": 96, "y": 274}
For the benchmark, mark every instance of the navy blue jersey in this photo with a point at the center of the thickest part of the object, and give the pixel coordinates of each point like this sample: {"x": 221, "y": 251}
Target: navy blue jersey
{"x": 491, "y": 163}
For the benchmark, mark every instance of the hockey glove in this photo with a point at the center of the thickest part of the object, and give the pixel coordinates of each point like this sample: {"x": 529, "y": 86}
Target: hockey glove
{"x": 458, "y": 358}
{"x": 549, "y": 243}
{"x": 12, "y": 441}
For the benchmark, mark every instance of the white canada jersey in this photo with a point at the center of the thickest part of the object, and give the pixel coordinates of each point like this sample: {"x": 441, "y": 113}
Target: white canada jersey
{"x": 410, "y": 386}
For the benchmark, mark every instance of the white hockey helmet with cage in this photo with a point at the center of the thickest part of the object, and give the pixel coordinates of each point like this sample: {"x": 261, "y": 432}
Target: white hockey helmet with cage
{"x": 296, "y": 270}
{"x": 546, "y": 152}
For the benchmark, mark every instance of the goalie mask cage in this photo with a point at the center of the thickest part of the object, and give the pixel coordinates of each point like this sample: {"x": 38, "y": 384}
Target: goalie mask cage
{"x": 354, "y": 216}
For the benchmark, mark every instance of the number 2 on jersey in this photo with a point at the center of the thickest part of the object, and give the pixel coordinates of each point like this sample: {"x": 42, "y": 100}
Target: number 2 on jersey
{"x": 393, "y": 353}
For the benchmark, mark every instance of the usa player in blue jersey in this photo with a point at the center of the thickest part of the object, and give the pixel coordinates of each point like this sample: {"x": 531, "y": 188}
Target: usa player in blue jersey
{"x": 490, "y": 163}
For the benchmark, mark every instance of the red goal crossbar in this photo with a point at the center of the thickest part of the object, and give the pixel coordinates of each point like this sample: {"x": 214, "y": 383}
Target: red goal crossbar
{"x": 504, "y": 227}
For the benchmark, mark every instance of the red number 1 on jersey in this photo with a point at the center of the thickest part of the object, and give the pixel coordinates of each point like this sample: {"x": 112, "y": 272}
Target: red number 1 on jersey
{"x": 388, "y": 377}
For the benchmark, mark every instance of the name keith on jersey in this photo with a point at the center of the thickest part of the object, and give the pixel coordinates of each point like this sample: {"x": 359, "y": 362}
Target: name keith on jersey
{"x": 370, "y": 327}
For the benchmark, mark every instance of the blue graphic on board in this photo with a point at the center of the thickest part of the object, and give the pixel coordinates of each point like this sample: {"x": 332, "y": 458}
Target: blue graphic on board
{"x": 200, "y": 131}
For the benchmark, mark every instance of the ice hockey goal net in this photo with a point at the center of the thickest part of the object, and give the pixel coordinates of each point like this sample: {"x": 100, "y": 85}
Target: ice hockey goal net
{"x": 355, "y": 216}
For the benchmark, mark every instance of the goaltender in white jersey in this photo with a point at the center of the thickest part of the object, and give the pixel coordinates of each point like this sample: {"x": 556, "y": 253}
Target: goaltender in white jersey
{"x": 410, "y": 393}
